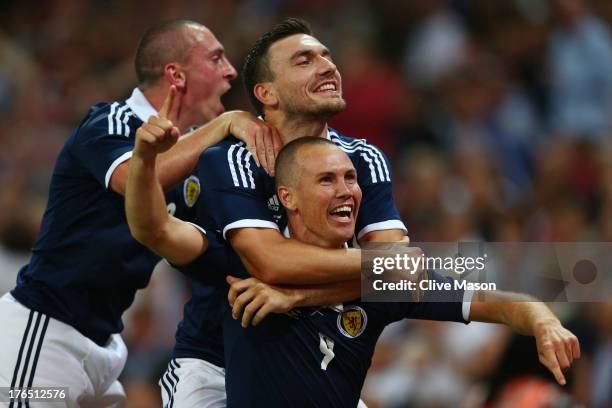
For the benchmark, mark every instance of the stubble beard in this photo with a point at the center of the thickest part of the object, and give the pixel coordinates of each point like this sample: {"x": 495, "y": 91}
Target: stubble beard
{"x": 323, "y": 111}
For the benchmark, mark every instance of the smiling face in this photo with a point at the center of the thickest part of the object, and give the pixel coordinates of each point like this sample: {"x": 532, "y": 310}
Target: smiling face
{"x": 305, "y": 79}
{"x": 323, "y": 202}
{"x": 207, "y": 75}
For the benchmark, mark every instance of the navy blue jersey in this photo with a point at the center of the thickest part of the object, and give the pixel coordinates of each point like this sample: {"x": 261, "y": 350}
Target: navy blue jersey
{"x": 85, "y": 266}
{"x": 238, "y": 194}
{"x": 316, "y": 357}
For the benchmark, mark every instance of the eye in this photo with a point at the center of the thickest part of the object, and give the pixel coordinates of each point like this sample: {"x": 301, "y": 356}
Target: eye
{"x": 325, "y": 180}
{"x": 304, "y": 61}
{"x": 351, "y": 177}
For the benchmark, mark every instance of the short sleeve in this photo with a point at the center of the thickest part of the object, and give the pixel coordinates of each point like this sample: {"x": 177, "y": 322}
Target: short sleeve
{"x": 378, "y": 211}
{"x": 233, "y": 188}
{"x": 105, "y": 141}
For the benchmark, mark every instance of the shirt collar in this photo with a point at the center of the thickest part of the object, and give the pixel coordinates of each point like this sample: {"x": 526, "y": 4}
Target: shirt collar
{"x": 140, "y": 105}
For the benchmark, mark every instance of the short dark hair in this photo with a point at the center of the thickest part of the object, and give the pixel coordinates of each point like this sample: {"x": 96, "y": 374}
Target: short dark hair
{"x": 163, "y": 43}
{"x": 287, "y": 160}
{"x": 256, "y": 68}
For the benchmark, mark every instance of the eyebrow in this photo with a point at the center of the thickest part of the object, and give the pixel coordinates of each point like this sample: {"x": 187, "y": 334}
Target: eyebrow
{"x": 309, "y": 51}
{"x": 216, "y": 50}
{"x": 332, "y": 173}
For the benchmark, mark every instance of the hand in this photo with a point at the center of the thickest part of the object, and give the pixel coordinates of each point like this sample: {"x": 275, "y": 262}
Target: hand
{"x": 257, "y": 299}
{"x": 159, "y": 134}
{"x": 262, "y": 140}
{"x": 557, "y": 347}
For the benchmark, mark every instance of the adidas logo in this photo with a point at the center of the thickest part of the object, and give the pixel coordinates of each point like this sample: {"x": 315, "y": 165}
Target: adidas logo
{"x": 273, "y": 204}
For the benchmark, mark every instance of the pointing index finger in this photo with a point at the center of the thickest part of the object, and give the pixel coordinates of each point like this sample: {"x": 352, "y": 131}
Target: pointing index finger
{"x": 168, "y": 103}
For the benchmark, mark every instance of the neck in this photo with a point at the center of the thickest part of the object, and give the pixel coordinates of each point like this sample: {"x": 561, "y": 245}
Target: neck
{"x": 293, "y": 127}
{"x": 299, "y": 231}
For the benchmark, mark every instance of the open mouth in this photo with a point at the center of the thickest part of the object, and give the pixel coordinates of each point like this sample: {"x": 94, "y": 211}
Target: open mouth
{"x": 326, "y": 87}
{"x": 342, "y": 213}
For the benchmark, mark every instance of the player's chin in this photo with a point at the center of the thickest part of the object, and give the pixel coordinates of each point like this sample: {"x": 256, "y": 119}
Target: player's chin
{"x": 333, "y": 105}
{"x": 342, "y": 232}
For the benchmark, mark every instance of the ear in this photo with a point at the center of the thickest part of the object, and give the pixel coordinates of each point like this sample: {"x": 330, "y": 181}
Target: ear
{"x": 175, "y": 75}
{"x": 286, "y": 197}
{"x": 265, "y": 93}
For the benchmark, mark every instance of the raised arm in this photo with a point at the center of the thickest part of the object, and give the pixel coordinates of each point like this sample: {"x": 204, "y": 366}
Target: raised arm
{"x": 178, "y": 162}
{"x": 149, "y": 222}
{"x": 557, "y": 346}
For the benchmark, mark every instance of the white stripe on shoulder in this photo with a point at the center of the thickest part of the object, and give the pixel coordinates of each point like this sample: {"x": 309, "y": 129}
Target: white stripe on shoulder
{"x": 126, "y": 118}
{"x": 230, "y": 160}
{"x": 239, "y": 161}
{"x": 371, "y": 165}
{"x": 249, "y": 171}
{"x": 375, "y": 150}
{"x": 241, "y": 166}
{"x": 370, "y": 153}
{"x": 118, "y": 122}
{"x": 110, "y": 117}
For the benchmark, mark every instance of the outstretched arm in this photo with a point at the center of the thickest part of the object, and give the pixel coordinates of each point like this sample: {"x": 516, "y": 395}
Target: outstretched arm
{"x": 557, "y": 346}
{"x": 149, "y": 222}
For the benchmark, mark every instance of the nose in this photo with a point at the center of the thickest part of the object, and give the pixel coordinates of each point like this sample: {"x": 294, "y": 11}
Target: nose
{"x": 229, "y": 72}
{"x": 343, "y": 190}
{"x": 326, "y": 66}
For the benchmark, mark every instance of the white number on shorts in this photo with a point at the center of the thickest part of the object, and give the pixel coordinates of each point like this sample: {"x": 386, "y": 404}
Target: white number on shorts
{"x": 326, "y": 345}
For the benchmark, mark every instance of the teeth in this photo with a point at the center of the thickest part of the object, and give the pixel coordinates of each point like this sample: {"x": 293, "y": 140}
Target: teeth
{"x": 345, "y": 208}
{"x": 327, "y": 87}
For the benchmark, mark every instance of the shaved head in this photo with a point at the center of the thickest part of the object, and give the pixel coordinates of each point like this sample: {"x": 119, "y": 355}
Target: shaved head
{"x": 289, "y": 162}
{"x": 162, "y": 44}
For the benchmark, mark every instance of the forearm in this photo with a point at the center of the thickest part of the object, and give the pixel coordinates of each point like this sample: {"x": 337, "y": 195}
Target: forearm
{"x": 144, "y": 200}
{"x": 276, "y": 260}
{"x": 522, "y": 313}
{"x": 329, "y": 294}
{"x": 179, "y": 162}
{"x": 295, "y": 263}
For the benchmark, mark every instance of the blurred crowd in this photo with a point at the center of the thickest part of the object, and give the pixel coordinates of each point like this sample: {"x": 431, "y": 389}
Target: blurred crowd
{"x": 496, "y": 116}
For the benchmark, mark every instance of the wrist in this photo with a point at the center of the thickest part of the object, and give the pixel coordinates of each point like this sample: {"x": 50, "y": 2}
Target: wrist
{"x": 541, "y": 324}
{"x": 225, "y": 120}
{"x": 297, "y": 298}
{"x": 145, "y": 153}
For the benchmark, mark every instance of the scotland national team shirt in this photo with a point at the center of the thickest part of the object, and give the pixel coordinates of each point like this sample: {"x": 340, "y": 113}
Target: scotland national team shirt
{"x": 86, "y": 267}
{"x": 318, "y": 357}
{"x": 238, "y": 194}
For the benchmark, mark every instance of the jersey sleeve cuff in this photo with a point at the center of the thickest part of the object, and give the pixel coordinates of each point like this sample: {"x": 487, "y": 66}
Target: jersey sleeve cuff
{"x": 467, "y": 304}
{"x": 383, "y": 225}
{"x": 249, "y": 223}
{"x": 125, "y": 156}
{"x": 196, "y": 226}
